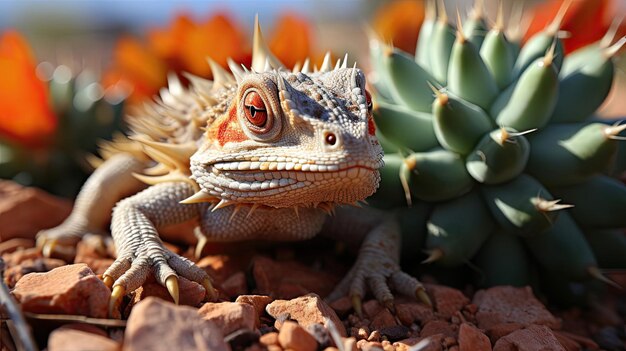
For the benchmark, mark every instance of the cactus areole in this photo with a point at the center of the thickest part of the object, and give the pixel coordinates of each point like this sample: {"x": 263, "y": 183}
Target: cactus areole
{"x": 499, "y": 140}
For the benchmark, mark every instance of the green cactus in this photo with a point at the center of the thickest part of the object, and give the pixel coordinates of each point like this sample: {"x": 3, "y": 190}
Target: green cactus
{"x": 87, "y": 114}
{"x": 514, "y": 174}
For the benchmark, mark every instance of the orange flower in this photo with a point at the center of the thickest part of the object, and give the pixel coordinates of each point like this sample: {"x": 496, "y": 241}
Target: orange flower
{"x": 586, "y": 20}
{"x": 25, "y": 113}
{"x": 399, "y": 22}
{"x": 186, "y": 44}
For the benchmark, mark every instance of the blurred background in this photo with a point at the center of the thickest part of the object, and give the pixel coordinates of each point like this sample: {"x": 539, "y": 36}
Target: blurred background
{"x": 69, "y": 70}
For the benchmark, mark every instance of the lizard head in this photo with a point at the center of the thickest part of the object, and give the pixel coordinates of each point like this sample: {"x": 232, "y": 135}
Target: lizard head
{"x": 291, "y": 140}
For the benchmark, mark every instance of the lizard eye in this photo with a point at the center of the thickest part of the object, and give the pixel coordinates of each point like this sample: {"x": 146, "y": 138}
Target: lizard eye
{"x": 368, "y": 100}
{"x": 254, "y": 108}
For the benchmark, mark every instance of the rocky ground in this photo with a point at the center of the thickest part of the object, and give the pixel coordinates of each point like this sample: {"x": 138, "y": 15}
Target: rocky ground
{"x": 269, "y": 300}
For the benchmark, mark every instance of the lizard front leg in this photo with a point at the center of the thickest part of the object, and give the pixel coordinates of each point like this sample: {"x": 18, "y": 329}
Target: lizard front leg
{"x": 92, "y": 210}
{"x": 377, "y": 266}
{"x": 140, "y": 251}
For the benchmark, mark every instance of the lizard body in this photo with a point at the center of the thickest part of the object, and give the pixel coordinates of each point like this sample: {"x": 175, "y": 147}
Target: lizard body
{"x": 257, "y": 154}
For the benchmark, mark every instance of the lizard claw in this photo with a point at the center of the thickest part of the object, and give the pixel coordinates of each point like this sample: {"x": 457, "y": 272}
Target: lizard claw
{"x": 48, "y": 247}
{"x": 357, "y": 305}
{"x": 210, "y": 290}
{"x": 421, "y": 295}
{"x": 171, "y": 283}
{"x": 202, "y": 241}
{"x": 116, "y": 298}
{"x": 108, "y": 281}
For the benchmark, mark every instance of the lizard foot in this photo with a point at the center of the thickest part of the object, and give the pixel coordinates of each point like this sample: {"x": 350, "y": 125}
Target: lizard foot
{"x": 379, "y": 275}
{"x": 131, "y": 269}
{"x": 62, "y": 240}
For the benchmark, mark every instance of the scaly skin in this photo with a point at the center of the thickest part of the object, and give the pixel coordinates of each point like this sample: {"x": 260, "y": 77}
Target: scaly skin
{"x": 279, "y": 152}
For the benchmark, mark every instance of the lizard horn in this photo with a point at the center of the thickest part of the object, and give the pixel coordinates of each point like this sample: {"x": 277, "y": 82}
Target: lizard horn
{"x": 236, "y": 69}
{"x": 198, "y": 197}
{"x": 345, "y": 61}
{"x": 306, "y": 66}
{"x": 326, "y": 63}
{"x": 221, "y": 77}
{"x": 260, "y": 51}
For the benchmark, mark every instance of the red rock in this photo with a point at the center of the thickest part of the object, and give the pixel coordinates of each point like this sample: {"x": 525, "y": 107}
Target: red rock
{"x": 290, "y": 279}
{"x": 11, "y": 245}
{"x": 504, "y": 304}
{"x": 307, "y": 310}
{"x": 371, "y": 308}
{"x": 409, "y": 313}
{"x": 229, "y": 316}
{"x": 93, "y": 250}
{"x": 155, "y": 324}
{"x": 269, "y": 339}
{"x": 259, "y": 302}
{"x": 447, "y": 301}
{"x": 436, "y": 327}
{"x": 71, "y": 289}
{"x": 21, "y": 255}
{"x": 431, "y": 343}
{"x": 500, "y": 330}
{"x": 26, "y": 211}
{"x": 581, "y": 340}
{"x": 220, "y": 267}
{"x": 69, "y": 339}
{"x": 471, "y": 339}
{"x": 191, "y": 293}
{"x": 235, "y": 285}
{"x": 293, "y": 336}
{"x": 405, "y": 345}
{"x": 342, "y": 306}
{"x": 382, "y": 320}
{"x": 39, "y": 265}
{"x": 568, "y": 344}
{"x": 533, "y": 338}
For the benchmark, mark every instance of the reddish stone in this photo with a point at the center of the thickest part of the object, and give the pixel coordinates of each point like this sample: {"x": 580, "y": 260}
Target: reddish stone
{"x": 581, "y": 340}
{"x": 235, "y": 285}
{"x": 382, "y": 320}
{"x": 371, "y": 308}
{"x": 220, "y": 267}
{"x": 26, "y": 211}
{"x": 505, "y": 304}
{"x": 405, "y": 345}
{"x": 71, "y": 289}
{"x": 568, "y": 344}
{"x": 293, "y": 336}
{"x": 155, "y": 324}
{"x": 21, "y": 255}
{"x": 70, "y": 339}
{"x": 342, "y": 306}
{"x": 409, "y": 313}
{"x": 190, "y": 293}
{"x": 436, "y": 327}
{"x": 11, "y": 245}
{"x": 93, "y": 250}
{"x": 307, "y": 310}
{"x": 290, "y": 279}
{"x": 229, "y": 316}
{"x": 269, "y": 339}
{"x": 471, "y": 339}
{"x": 533, "y": 338}
{"x": 39, "y": 265}
{"x": 259, "y": 302}
{"x": 447, "y": 301}
{"x": 500, "y": 330}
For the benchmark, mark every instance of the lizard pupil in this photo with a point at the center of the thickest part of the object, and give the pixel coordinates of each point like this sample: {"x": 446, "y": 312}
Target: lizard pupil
{"x": 331, "y": 139}
{"x": 255, "y": 110}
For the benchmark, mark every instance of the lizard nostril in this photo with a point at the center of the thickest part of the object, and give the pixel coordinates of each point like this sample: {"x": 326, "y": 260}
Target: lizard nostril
{"x": 331, "y": 139}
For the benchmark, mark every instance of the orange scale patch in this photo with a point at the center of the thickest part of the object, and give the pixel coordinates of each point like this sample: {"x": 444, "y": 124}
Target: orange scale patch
{"x": 227, "y": 129}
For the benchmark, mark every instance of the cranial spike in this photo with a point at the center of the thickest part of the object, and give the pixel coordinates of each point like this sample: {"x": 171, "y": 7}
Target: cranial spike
{"x": 306, "y": 66}
{"x": 167, "y": 178}
{"x": 595, "y": 272}
{"x": 268, "y": 67}
{"x": 296, "y": 67}
{"x": 345, "y": 61}
{"x": 442, "y": 14}
{"x": 158, "y": 169}
{"x": 178, "y": 152}
{"x": 223, "y": 203}
{"x": 174, "y": 85}
{"x": 199, "y": 83}
{"x": 337, "y": 65}
{"x": 353, "y": 77}
{"x": 610, "y": 34}
{"x": 94, "y": 161}
{"x": 221, "y": 78}
{"x": 260, "y": 51}
{"x": 236, "y": 70}
{"x": 615, "y": 48}
{"x": 198, "y": 197}
{"x": 326, "y": 63}
{"x": 551, "y": 206}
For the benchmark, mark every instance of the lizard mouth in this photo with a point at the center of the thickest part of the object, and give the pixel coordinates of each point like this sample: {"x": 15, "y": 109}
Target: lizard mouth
{"x": 295, "y": 180}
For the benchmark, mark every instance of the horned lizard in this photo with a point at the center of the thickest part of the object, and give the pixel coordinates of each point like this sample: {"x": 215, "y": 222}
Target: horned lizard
{"x": 259, "y": 153}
